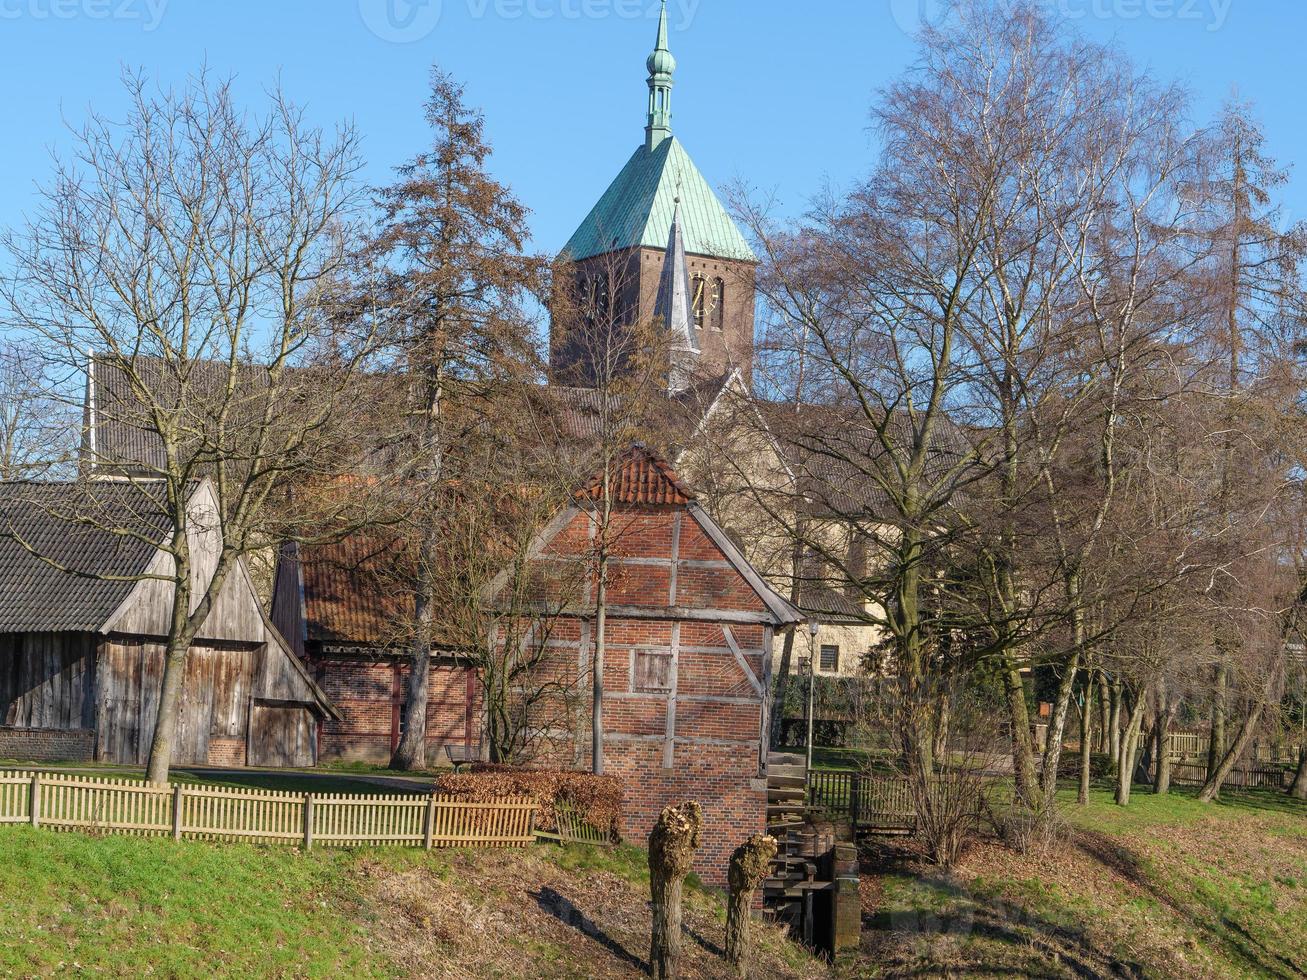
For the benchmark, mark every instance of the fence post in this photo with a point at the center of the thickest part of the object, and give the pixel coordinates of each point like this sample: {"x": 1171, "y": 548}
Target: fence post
{"x": 35, "y": 808}
{"x": 177, "y": 812}
{"x": 429, "y": 822}
{"x": 855, "y": 794}
{"x": 308, "y": 821}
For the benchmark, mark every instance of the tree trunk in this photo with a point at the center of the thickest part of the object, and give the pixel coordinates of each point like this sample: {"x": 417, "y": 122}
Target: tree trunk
{"x": 1212, "y": 787}
{"x": 411, "y": 753}
{"x": 1299, "y": 788}
{"x": 165, "y": 726}
{"x": 672, "y": 844}
{"x": 1166, "y": 710}
{"x": 1086, "y": 736}
{"x": 1114, "y": 721}
{"x": 942, "y": 717}
{"x": 787, "y": 651}
{"x": 749, "y": 866}
{"x": 597, "y": 681}
{"x": 1057, "y": 725}
{"x": 601, "y": 626}
{"x": 1216, "y": 734}
{"x": 1129, "y": 751}
{"x": 1104, "y": 714}
{"x": 1023, "y": 754}
{"x": 180, "y": 635}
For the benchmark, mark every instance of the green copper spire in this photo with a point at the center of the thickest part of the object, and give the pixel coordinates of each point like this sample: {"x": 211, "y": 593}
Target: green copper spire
{"x": 661, "y": 66}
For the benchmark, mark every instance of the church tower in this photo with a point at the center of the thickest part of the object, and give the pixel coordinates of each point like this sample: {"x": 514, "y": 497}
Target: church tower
{"x": 659, "y": 244}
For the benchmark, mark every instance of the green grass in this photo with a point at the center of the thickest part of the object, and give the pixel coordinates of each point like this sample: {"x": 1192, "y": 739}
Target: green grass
{"x": 125, "y": 906}
{"x": 1166, "y": 887}
{"x": 826, "y": 757}
{"x": 281, "y": 781}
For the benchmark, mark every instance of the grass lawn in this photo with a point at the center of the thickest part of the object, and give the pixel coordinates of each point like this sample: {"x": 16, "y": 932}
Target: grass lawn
{"x": 1167, "y": 887}
{"x": 127, "y": 906}
{"x": 826, "y": 757}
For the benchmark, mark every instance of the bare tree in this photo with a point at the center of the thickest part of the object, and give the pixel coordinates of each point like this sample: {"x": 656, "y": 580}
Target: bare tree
{"x": 34, "y": 426}
{"x": 196, "y": 251}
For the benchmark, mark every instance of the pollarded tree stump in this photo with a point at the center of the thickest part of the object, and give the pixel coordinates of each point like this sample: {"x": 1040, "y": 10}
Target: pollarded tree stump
{"x": 749, "y": 866}
{"x": 672, "y": 844}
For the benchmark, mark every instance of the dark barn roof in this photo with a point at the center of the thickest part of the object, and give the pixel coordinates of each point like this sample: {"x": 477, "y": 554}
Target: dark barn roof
{"x": 58, "y": 564}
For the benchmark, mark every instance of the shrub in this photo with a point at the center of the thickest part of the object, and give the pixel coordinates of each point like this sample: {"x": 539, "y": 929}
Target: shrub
{"x": 1101, "y": 765}
{"x": 1026, "y": 829}
{"x": 596, "y": 799}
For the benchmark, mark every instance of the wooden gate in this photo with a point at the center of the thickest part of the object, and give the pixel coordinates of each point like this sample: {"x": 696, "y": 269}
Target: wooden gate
{"x": 282, "y": 735}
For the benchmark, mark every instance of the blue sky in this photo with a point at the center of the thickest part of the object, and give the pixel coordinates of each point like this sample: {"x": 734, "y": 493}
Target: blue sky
{"x": 773, "y": 91}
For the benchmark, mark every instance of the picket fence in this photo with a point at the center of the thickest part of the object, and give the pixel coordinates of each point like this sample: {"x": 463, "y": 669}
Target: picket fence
{"x": 1259, "y": 777}
{"x": 203, "y": 812}
{"x": 878, "y": 802}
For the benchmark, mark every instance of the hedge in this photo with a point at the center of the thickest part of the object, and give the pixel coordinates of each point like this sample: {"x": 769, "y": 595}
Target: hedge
{"x": 596, "y": 799}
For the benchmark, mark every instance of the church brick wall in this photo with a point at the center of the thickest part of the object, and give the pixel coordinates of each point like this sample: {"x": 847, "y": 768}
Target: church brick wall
{"x": 633, "y": 277}
{"x": 732, "y": 345}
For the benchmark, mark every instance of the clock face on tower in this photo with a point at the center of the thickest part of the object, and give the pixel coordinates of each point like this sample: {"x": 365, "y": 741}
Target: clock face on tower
{"x": 707, "y": 301}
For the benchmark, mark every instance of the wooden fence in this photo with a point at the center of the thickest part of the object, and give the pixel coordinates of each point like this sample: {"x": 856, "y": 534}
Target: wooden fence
{"x": 69, "y": 802}
{"x": 1193, "y": 745}
{"x": 881, "y": 803}
{"x": 1259, "y": 777}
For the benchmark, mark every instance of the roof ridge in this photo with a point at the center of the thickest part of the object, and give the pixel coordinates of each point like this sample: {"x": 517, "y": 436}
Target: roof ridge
{"x": 640, "y": 476}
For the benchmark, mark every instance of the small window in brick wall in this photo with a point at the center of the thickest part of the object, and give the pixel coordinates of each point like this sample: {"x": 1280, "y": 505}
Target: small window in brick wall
{"x": 830, "y": 657}
{"x": 653, "y": 671}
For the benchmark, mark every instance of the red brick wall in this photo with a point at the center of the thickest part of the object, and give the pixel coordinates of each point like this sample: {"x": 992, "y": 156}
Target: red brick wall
{"x": 47, "y": 744}
{"x": 226, "y": 752}
{"x": 722, "y": 779}
{"x": 364, "y": 692}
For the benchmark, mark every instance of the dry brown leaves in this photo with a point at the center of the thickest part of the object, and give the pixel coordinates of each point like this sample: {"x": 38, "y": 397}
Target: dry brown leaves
{"x": 515, "y": 914}
{"x": 597, "y": 799}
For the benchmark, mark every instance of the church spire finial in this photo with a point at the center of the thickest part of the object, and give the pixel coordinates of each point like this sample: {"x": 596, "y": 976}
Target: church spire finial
{"x": 661, "y": 66}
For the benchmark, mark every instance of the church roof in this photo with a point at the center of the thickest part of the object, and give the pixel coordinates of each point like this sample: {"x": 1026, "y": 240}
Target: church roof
{"x": 638, "y": 207}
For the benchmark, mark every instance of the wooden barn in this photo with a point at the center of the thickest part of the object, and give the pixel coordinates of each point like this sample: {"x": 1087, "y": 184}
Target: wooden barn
{"x": 83, "y": 622}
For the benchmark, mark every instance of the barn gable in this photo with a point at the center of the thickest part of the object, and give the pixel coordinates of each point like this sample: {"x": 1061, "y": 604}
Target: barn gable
{"x": 84, "y": 612}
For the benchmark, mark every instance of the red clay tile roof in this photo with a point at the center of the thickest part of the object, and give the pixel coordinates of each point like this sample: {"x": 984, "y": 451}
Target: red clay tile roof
{"x": 640, "y": 477}
{"x": 348, "y": 598}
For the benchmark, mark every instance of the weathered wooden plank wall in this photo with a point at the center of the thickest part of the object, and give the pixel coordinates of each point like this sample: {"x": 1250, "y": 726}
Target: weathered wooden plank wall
{"x": 282, "y": 735}
{"x": 47, "y": 680}
{"x": 216, "y": 694}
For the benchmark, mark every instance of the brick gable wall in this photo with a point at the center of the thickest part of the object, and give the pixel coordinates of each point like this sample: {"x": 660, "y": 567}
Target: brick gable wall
{"x": 702, "y": 739}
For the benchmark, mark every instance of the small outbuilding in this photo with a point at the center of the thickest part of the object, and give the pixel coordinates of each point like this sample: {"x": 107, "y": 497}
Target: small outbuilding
{"x": 84, "y": 612}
